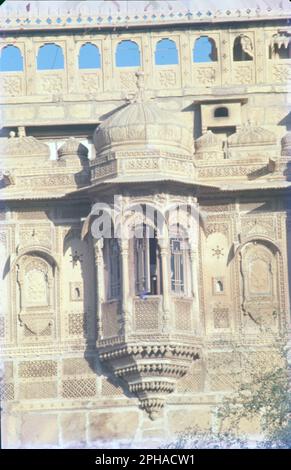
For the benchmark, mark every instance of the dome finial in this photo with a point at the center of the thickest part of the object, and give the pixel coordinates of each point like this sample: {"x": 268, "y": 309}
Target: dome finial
{"x": 139, "y": 96}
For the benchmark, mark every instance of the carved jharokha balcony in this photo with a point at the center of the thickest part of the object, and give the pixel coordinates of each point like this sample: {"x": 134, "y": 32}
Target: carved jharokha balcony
{"x": 148, "y": 348}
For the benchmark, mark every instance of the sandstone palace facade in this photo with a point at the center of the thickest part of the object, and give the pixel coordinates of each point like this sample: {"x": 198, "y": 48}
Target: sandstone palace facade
{"x": 131, "y": 339}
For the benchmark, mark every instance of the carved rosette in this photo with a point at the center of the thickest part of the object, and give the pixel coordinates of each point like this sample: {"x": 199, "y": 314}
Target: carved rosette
{"x": 150, "y": 370}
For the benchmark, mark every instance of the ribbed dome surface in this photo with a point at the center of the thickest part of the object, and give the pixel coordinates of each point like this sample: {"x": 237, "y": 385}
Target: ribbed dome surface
{"x": 143, "y": 126}
{"x": 286, "y": 144}
{"x": 252, "y": 135}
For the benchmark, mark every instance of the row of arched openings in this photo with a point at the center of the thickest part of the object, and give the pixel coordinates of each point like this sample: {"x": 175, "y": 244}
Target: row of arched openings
{"x": 127, "y": 54}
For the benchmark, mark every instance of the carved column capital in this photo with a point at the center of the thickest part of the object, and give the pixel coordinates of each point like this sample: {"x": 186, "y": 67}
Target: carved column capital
{"x": 163, "y": 243}
{"x": 123, "y": 246}
{"x": 98, "y": 249}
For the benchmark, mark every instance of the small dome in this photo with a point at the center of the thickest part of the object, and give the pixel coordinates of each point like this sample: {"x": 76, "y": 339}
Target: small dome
{"x": 286, "y": 145}
{"x": 23, "y": 146}
{"x": 252, "y": 135}
{"x": 143, "y": 126}
{"x": 208, "y": 141}
{"x": 72, "y": 147}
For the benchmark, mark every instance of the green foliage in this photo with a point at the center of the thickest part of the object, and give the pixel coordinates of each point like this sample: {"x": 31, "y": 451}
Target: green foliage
{"x": 262, "y": 391}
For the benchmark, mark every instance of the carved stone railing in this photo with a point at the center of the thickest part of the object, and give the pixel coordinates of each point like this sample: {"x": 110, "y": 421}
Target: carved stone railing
{"x": 147, "y": 315}
{"x": 110, "y": 319}
{"x": 183, "y": 321}
{"x": 140, "y": 163}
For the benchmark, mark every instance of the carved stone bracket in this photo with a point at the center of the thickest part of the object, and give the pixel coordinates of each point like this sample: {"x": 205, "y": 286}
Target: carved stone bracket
{"x": 150, "y": 370}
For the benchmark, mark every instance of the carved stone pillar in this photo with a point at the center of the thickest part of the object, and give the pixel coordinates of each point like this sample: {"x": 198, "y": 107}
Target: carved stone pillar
{"x": 99, "y": 263}
{"x": 164, "y": 250}
{"x": 125, "y": 275}
{"x": 194, "y": 286}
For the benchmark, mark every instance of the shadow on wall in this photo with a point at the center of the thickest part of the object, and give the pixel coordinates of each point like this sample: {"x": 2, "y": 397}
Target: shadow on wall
{"x": 81, "y": 253}
{"x": 288, "y": 222}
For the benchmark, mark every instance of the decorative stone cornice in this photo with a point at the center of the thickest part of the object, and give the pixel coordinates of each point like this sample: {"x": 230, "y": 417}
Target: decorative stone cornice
{"x": 126, "y": 14}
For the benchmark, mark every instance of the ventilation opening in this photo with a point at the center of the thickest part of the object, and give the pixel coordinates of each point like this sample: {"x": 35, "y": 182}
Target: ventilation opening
{"x": 221, "y": 112}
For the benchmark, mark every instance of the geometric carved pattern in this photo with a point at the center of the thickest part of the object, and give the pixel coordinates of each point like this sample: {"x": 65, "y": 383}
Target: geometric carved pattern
{"x": 110, "y": 325}
{"x": 8, "y": 371}
{"x": 77, "y": 366}
{"x": 77, "y": 324}
{"x": 206, "y": 75}
{"x": 6, "y": 391}
{"x": 167, "y": 78}
{"x": 36, "y": 390}
{"x": 37, "y": 369}
{"x": 221, "y": 317}
{"x": 192, "y": 381}
{"x": 10, "y": 86}
{"x": 183, "y": 315}
{"x": 220, "y": 382}
{"x": 244, "y": 74}
{"x": 2, "y": 327}
{"x": 128, "y": 80}
{"x": 109, "y": 389}
{"x": 281, "y": 73}
{"x": 36, "y": 324}
{"x": 79, "y": 388}
{"x": 146, "y": 314}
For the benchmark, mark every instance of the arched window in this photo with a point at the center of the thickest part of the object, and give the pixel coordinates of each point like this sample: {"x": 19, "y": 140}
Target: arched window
{"x": 280, "y": 47}
{"x": 11, "y": 59}
{"x": 127, "y": 54}
{"x": 112, "y": 268}
{"x": 50, "y": 57}
{"x": 243, "y": 49}
{"x": 222, "y": 111}
{"x": 146, "y": 263}
{"x": 166, "y": 53}
{"x": 180, "y": 274}
{"x": 89, "y": 57}
{"x": 204, "y": 50}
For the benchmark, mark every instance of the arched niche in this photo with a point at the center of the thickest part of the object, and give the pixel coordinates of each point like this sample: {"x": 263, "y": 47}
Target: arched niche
{"x": 260, "y": 273}
{"x": 36, "y": 295}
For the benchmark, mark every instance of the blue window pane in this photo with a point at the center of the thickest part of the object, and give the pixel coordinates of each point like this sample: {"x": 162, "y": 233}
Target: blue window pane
{"x": 50, "y": 57}
{"x": 166, "y": 53}
{"x": 89, "y": 57}
{"x": 127, "y": 54}
{"x": 204, "y": 50}
{"x": 11, "y": 59}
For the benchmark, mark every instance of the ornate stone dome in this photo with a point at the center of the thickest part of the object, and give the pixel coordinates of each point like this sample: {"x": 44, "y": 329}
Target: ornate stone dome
{"x": 23, "y": 146}
{"x": 286, "y": 145}
{"x": 72, "y": 147}
{"x": 207, "y": 142}
{"x": 252, "y": 135}
{"x": 143, "y": 126}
